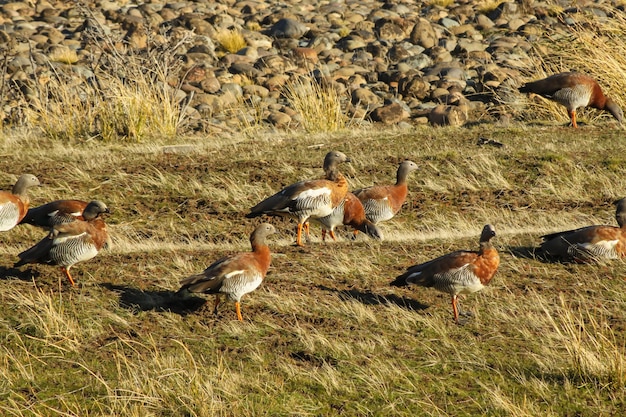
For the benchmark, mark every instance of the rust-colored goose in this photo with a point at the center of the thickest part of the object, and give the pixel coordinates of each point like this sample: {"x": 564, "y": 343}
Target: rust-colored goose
{"x": 56, "y": 212}
{"x": 70, "y": 243}
{"x": 589, "y": 244}
{"x": 383, "y": 202}
{"x": 349, "y": 212}
{"x": 573, "y": 90}
{"x": 308, "y": 199}
{"x": 14, "y": 204}
{"x": 236, "y": 275}
{"x": 460, "y": 272}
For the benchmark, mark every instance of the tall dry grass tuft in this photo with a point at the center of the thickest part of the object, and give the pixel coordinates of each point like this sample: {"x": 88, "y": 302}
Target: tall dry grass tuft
{"x": 594, "y": 46}
{"x": 231, "y": 40}
{"x": 588, "y": 343}
{"x": 318, "y": 105}
{"x": 126, "y": 95}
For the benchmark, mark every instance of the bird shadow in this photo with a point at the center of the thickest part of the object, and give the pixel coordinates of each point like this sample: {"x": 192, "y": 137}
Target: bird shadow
{"x": 12, "y": 272}
{"x": 534, "y": 253}
{"x": 370, "y": 298}
{"x": 161, "y": 300}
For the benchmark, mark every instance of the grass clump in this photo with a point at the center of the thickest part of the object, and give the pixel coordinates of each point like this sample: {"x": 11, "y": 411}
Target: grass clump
{"x": 231, "y": 40}
{"x": 318, "y": 104}
{"x": 127, "y": 94}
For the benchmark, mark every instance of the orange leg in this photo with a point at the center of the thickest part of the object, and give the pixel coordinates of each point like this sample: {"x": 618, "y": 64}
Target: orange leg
{"x": 332, "y": 234}
{"x": 572, "y": 116}
{"x": 299, "y": 235}
{"x": 238, "y": 310}
{"x": 217, "y": 303}
{"x": 307, "y": 231}
{"x": 66, "y": 271}
{"x": 455, "y": 310}
{"x": 323, "y": 235}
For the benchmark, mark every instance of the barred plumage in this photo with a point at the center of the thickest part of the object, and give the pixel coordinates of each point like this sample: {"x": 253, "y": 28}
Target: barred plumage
{"x": 70, "y": 243}
{"x": 308, "y": 199}
{"x": 589, "y": 244}
{"x": 349, "y": 212}
{"x": 460, "y": 272}
{"x": 235, "y": 275}
{"x": 55, "y": 212}
{"x": 382, "y": 202}
{"x": 573, "y": 90}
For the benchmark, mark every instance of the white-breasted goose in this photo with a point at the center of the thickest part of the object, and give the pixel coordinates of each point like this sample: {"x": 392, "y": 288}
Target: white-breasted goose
{"x": 235, "y": 275}
{"x": 349, "y": 212}
{"x": 460, "y": 272}
{"x": 70, "y": 243}
{"x": 573, "y": 90}
{"x": 14, "y": 203}
{"x": 308, "y": 199}
{"x": 591, "y": 243}
{"x": 382, "y": 202}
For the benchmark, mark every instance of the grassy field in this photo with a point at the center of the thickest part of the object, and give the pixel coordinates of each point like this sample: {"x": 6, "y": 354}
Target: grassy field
{"x": 325, "y": 334}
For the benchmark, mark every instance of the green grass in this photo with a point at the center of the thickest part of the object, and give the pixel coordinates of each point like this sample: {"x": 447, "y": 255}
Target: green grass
{"x": 325, "y": 334}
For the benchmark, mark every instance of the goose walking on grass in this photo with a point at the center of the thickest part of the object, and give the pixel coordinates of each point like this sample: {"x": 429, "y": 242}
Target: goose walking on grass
{"x": 236, "y": 275}
{"x": 573, "y": 90}
{"x": 591, "y": 243}
{"x": 460, "y": 272}
{"x": 14, "y": 204}
{"x": 308, "y": 199}
{"x": 70, "y": 243}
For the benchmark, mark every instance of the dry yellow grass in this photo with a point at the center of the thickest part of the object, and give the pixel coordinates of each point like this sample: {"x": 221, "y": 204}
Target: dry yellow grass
{"x": 325, "y": 333}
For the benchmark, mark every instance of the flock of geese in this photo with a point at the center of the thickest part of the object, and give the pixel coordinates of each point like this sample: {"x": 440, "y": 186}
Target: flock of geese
{"x": 76, "y": 231}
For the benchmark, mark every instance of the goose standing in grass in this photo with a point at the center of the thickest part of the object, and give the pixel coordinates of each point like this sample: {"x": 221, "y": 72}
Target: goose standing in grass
{"x": 56, "y": 212}
{"x": 349, "y": 212}
{"x": 14, "y": 203}
{"x": 235, "y": 275}
{"x": 308, "y": 199}
{"x": 70, "y": 243}
{"x": 591, "y": 243}
{"x": 460, "y": 272}
{"x": 573, "y": 90}
{"x": 383, "y": 202}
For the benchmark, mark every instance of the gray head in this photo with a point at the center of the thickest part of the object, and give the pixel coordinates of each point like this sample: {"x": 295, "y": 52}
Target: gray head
{"x": 334, "y": 158}
{"x": 488, "y": 232}
{"x": 261, "y": 232}
{"x": 371, "y": 230}
{"x": 614, "y": 109}
{"x": 620, "y": 212}
{"x": 94, "y": 209}
{"x": 404, "y": 169}
{"x": 24, "y": 182}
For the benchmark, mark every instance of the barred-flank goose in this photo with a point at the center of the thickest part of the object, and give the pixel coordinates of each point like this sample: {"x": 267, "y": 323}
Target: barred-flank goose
{"x": 383, "y": 202}
{"x": 573, "y": 90}
{"x": 349, "y": 212}
{"x": 56, "y": 212}
{"x": 235, "y": 275}
{"x": 460, "y": 272}
{"x": 14, "y": 203}
{"x": 70, "y": 243}
{"x": 591, "y": 243}
{"x": 308, "y": 199}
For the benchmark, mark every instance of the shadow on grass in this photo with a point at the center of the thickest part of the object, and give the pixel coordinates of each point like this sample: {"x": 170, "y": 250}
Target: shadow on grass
{"x": 370, "y": 298}
{"x": 138, "y": 300}
{"x": 7, "y": 273}
{"x": 535, "y": 253}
